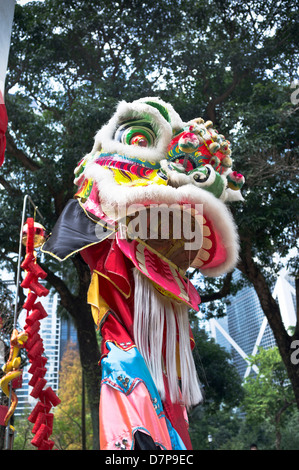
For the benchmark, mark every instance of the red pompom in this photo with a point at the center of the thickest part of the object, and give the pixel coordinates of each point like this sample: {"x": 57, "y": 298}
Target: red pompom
{"x": 32, "y": 329}
{"x": 29, "y": 258}
{"x": 32, "y": 340}
{"x": 41, "y": 309}
{"x": 29, "y": 279}
{"x": 38, "y": 362}
{"x": 40, "y": 290}
{"x": 43, "y": 418}
{"x": 29, "y": 264}
{"x": 36, "y": 350}
{"x": 33, "y": 317}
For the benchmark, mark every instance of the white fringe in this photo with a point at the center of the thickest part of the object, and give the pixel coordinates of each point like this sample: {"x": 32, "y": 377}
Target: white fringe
{"x": 152, "y": 312}
{"x": 191, "y": 392}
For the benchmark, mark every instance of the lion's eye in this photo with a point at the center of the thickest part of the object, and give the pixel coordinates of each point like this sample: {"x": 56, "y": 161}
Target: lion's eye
{"x": 199, "y": 177}
{"x": 140, "y": 140}
{"x": 138, "y": 133}
{"x": 203, "y": 175}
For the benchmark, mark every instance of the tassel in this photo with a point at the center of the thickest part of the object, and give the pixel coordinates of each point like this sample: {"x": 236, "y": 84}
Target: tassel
{"x": 157, "y": 317}
{"x": 191, "y": 391}
{"x": 148, "y": 329}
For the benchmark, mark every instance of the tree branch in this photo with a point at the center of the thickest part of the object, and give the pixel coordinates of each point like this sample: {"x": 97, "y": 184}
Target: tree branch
{"x": 10, "y": 189}
{"x": 223, "y": 292}
{"x": 19, "y": 154}
{"x": 210, "y": 110}
{"x": 83, "y": 274}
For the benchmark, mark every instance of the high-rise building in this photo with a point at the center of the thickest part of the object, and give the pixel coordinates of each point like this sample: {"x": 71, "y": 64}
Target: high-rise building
{"x": 245, "y": 327}
{"x": 68, "y": 334}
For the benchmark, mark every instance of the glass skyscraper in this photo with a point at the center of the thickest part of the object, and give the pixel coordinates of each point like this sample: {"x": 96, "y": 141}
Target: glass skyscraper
{"x": 245, "y": 327}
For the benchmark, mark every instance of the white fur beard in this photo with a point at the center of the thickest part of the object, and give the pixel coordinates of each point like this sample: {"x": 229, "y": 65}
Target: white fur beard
{"x": 152, "y": 313}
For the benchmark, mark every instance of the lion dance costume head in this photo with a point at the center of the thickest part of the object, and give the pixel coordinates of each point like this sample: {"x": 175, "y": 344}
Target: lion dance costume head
{"x": 151, "y": 204}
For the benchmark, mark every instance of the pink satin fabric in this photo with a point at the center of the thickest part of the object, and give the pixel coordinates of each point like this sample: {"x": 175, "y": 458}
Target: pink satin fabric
{"x": 122, "y": 414}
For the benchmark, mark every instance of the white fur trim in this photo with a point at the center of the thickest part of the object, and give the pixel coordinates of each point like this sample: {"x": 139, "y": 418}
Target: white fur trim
{"x": 232, "y": 195}
{"x": 176, "y": 178}
{"x": 104, "y": 138}
{"x": 176, "y": 121}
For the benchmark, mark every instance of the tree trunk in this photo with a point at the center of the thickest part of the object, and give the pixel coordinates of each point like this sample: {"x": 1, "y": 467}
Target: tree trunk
{"x": 271, "y": 309}
{"x": 83, "y": 414}
{"x": 90, "y": 356}
{"x": 277, "y": 438}
{"x": 277, "y": 424}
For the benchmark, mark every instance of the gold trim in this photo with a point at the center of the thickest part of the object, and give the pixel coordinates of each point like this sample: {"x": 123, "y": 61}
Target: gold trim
{"x": 133, "y": 345}
{"x": 99, "y": 307}
{"x": 166, "y": 293}
{"x": 98, "y": 222}
{"x": 73, "y": 252}
{"x": 112, "y": 231}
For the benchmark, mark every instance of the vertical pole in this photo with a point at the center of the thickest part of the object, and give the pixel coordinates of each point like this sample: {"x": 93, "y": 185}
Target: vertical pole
{"x": 8, "y": 445}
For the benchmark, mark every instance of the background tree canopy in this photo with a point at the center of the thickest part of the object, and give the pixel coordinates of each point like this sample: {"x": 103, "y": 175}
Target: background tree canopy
{"x": 233, "y": 62}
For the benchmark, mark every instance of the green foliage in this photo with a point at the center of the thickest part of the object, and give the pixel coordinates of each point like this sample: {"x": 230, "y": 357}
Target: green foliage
{"x": 222, "y": 392}
{"x": 269, "y": 396}
{"x": 269, "y": 393}
{"x": 214, "y": 431}
{"x": 23, "y": 434}
{"x": 263, "y": 413}
{"x": 68, "y": 426}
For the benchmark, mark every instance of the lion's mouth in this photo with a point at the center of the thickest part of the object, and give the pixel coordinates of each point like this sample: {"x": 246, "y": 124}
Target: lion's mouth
{"x": 178, "y": 233}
